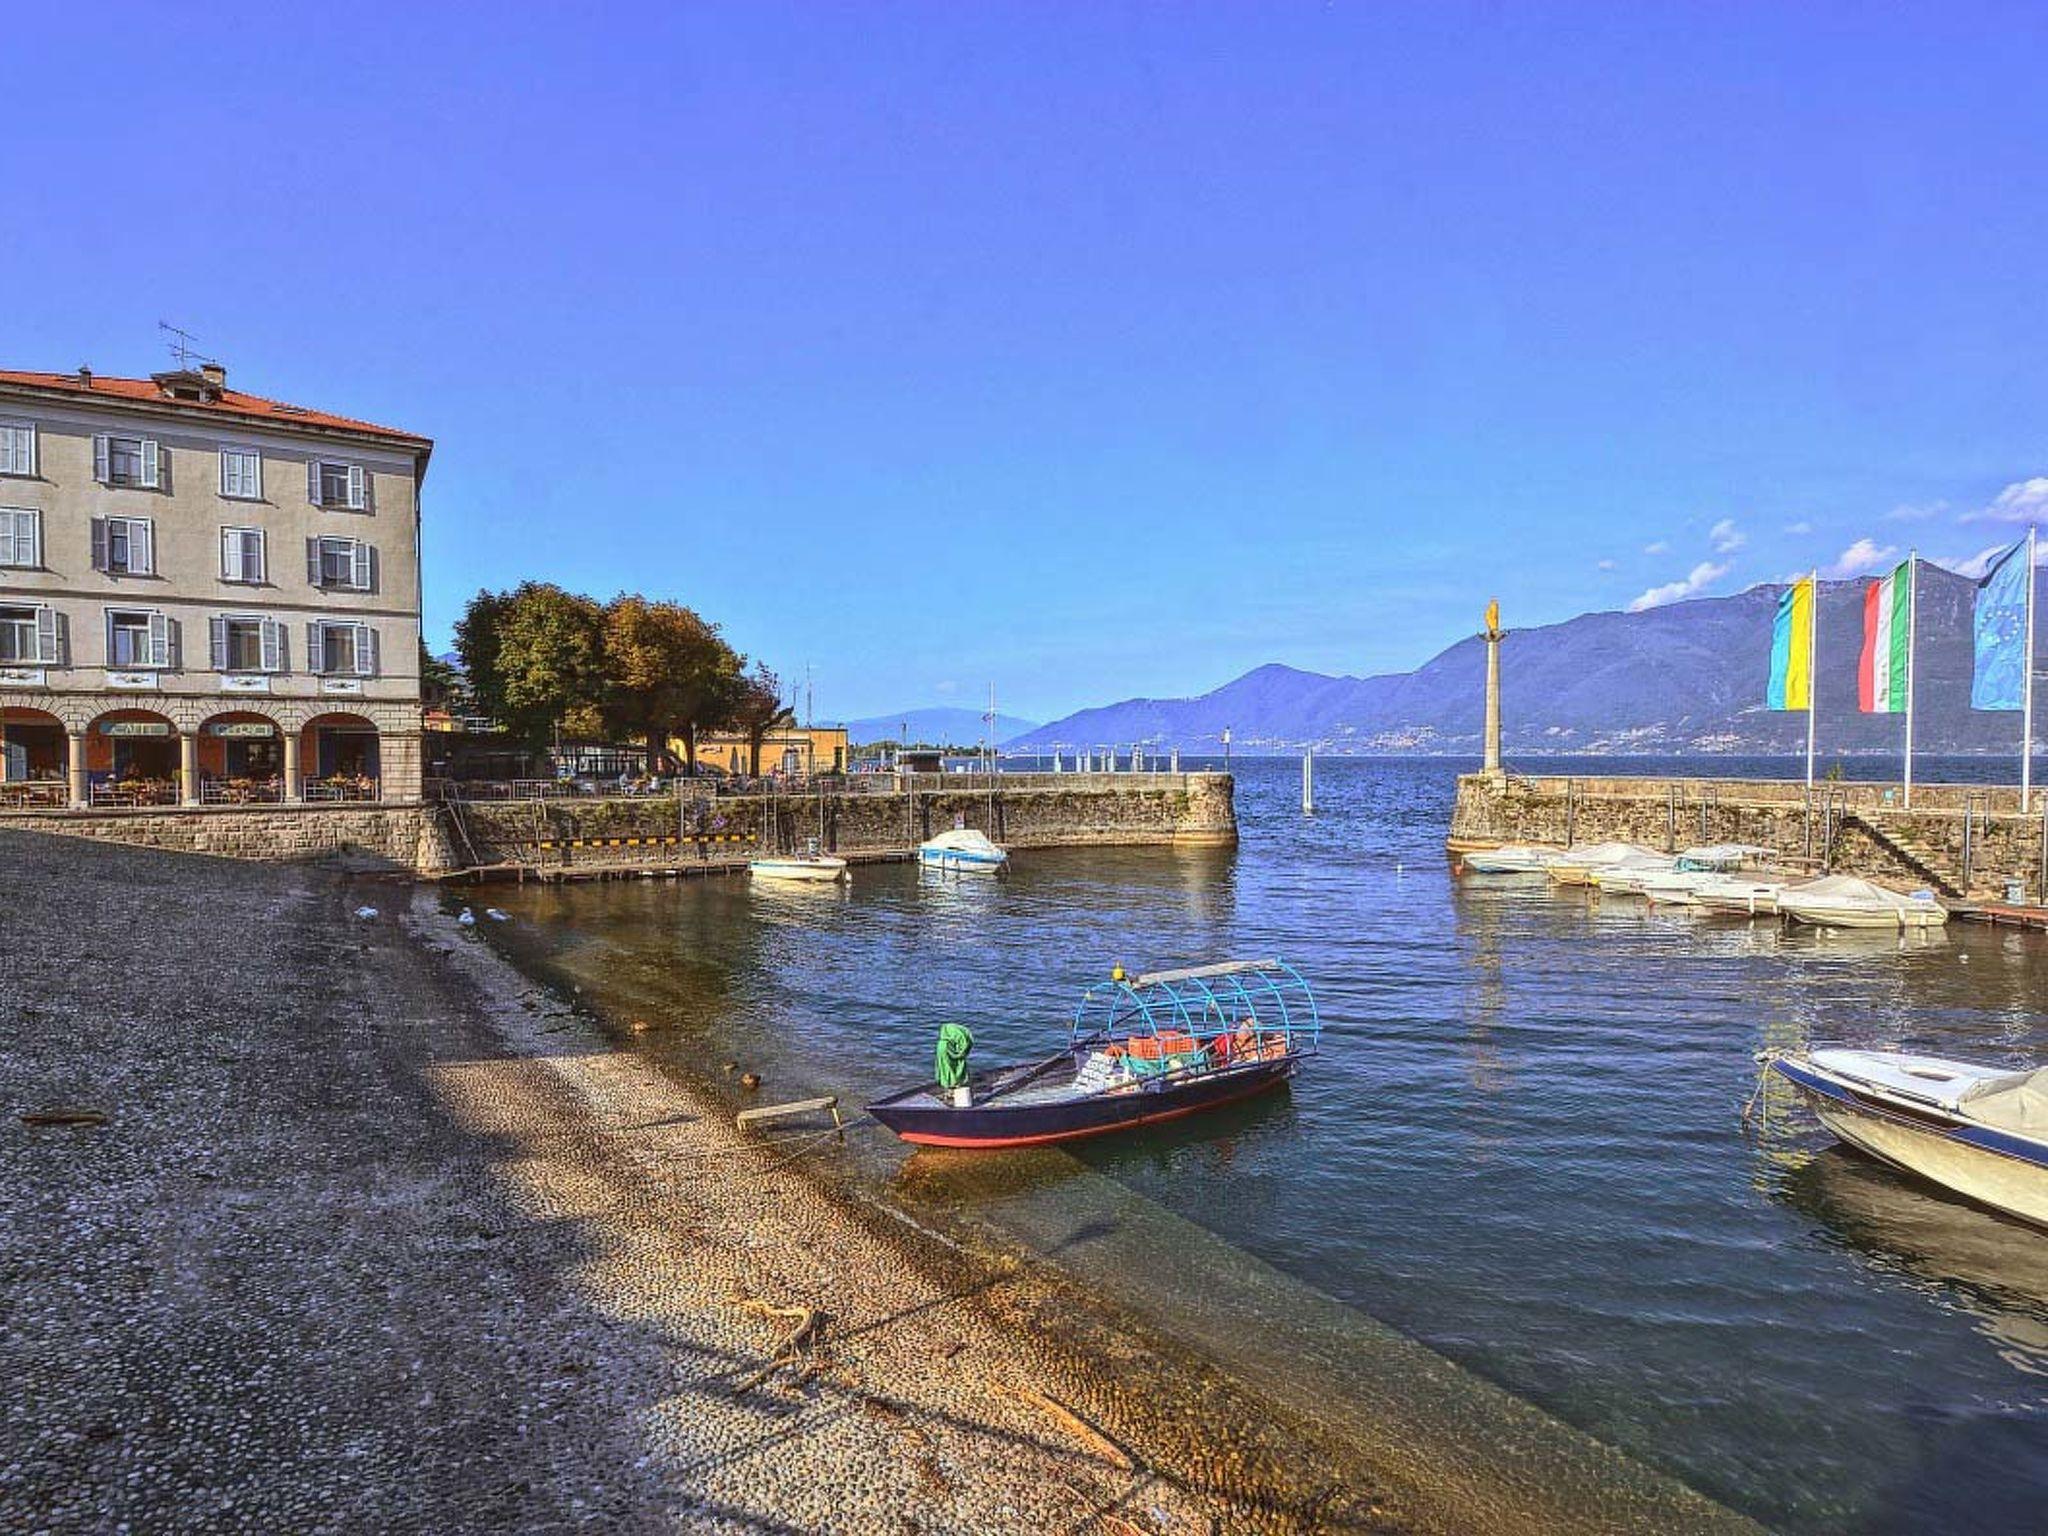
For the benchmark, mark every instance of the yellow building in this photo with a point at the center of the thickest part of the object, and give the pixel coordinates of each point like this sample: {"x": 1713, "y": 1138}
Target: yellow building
{"x": 791, "y": 750}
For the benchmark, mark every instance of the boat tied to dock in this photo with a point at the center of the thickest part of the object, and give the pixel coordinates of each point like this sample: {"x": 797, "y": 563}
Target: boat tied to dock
{"x": 1139, "y": 1050}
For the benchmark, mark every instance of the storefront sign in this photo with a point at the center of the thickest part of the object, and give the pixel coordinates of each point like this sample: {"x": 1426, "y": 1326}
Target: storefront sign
{"x": 251, "y": 730}
{"x": 341, "y": 685}
{"x": 135, "y": 728}
{"x": 23, "y": 677}
{"x": 255, "y": 682}
{"x": 130, "y": 681}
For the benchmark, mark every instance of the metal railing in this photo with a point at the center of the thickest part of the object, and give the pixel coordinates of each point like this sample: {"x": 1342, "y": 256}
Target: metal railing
{"x": 23, "y": 794}
{"x": 136, "y": 793}
{"x": 241, "y": 791}
{"x": 347, "y": 792}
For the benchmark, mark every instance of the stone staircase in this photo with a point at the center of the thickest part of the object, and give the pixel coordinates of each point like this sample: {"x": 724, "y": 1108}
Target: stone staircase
{"x": 1934, "y": 865}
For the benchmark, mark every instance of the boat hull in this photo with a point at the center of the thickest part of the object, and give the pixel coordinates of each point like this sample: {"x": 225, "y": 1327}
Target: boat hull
{"x": 1979, "y": 1162}
{"x": 822, "y": 871}
{"x": 1819, "y": 915}
{"x": 921, "y": 1119}
{"x": 951, "y": 859}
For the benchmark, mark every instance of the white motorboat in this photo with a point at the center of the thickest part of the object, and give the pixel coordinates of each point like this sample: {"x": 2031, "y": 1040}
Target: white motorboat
{"x": 811, "y": 865}
{"x": 1721, "y": 857}
{"x": 1676, "y": 887}
{"x": 962, "y": 850}
{"x": 1510, "y": 859}
{"x": 1843, "y": 901}
{"x": 1741, "y": 895}
{"x": 1625, "y": 877}
{"x": 1979, "y": 1131}
{"x": 1575, "y": 866}
{"x": 1697, "y": 869}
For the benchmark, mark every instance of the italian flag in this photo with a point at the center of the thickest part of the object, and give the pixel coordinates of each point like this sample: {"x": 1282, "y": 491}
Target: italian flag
{"x": 1887, "y": 633}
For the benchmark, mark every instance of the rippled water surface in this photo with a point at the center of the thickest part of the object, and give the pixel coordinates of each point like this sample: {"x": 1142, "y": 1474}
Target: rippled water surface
{"x": 1521, "y": 1146}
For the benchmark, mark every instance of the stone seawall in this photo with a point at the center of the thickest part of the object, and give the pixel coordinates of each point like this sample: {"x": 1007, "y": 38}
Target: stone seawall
{"x": 1034, "y": 811}
{"x": 408, "y": 837}
{"x": 1964, "y": 839}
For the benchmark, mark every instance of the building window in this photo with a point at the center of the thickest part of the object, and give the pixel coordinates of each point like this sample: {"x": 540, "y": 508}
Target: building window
{"x": 136, "y": 461}
{"x": 342, "y": 650}
{"x": 29, "y": 634}
{"x": 342, "y": 564}
{"x": 123, "y": 546}
{"x": 247, "y": 645}
{"x": 21, "y": 537}
{"x": 329, "y": 484}
{"x": 241, "y": 554}
{"x": 17, "y": 448}
{"x": 137, "y": 639}
{"x": 241, "y": 474}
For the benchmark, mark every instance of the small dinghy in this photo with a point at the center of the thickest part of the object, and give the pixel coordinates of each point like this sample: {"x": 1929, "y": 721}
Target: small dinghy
{"x": 1843, "y": 901}
{"x": 1979, "y": 1131}
{"x": 810, "y": 865}
{"x": 1510, "y": 859}
{"x": 1140, "y": 1050}
{"x": 962, "y": 850}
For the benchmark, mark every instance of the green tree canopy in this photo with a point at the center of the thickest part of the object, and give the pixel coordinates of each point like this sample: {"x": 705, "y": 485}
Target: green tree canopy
{"x": 758, "y": 709}
{"x": 536, "y": 659}
{"x": 667, "y": 673}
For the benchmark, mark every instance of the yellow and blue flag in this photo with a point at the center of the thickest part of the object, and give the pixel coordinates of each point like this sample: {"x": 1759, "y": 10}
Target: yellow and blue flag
{"x": 1791, "y": 685}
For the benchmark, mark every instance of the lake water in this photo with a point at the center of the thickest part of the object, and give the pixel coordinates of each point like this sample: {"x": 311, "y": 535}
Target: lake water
{"x": 1521, "y": 1146}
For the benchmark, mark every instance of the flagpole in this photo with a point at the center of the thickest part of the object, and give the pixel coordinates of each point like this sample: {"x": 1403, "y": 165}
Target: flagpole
{"x": 2027, "y": 704}
{"x": 1912, "y": 640}
{"x": 1812, "y": 674}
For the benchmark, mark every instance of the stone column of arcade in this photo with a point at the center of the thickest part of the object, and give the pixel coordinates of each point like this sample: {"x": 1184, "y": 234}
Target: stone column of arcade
{"x": 1493, "y": 635}
{"x": 74, "y": 767}
{"x": 293, "y": 789}
{"x": 188, "y": 767}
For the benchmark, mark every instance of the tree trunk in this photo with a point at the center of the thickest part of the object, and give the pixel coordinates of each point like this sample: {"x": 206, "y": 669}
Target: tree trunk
{"x": 754, "y": 739}
{"x": 690, "y": 746}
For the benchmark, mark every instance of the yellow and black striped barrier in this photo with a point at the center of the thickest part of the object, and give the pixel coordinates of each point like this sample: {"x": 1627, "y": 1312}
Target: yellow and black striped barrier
{"x": 670, "y": 841}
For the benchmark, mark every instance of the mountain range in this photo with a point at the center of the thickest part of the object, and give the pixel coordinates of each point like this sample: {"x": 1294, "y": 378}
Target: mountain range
{"x": 944, "y": 726}
{"x": 1685, "y": 678}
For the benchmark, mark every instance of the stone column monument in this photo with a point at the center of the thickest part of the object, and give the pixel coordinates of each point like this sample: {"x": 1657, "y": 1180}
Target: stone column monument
{"x": 1493, "y": 634}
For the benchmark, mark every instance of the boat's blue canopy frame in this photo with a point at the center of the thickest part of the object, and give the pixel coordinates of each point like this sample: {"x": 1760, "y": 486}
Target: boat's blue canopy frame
{"x": 1205, "y": 1002}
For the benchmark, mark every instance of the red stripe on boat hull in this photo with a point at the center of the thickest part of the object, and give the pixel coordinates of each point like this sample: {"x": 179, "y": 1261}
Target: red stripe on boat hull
{"x": 926, "y": 1139}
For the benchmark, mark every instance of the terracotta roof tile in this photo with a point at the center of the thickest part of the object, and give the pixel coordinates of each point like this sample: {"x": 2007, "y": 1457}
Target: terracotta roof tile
{"x": 231, "y": 402}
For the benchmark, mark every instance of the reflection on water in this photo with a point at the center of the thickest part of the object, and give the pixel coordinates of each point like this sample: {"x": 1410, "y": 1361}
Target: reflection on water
{"x": 1522, "y": 1143}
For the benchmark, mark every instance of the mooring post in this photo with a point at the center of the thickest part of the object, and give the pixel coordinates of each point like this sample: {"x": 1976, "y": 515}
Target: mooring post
{"x": 1969, "y": 835}
{"x": 1571, "y": 809}
{"x": 1308, "y": 782}
{"x": 1671, "y": 819}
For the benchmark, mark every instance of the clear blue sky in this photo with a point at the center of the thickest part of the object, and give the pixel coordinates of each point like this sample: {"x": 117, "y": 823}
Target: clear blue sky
{"x": 1095, "y": 349}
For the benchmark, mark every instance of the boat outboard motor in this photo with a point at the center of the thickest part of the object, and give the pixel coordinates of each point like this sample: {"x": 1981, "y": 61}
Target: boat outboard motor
{"x": 949, "y": 1063}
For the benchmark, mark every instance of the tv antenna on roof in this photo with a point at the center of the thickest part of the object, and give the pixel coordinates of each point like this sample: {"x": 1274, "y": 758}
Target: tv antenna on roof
{"x": 182, "y": 344}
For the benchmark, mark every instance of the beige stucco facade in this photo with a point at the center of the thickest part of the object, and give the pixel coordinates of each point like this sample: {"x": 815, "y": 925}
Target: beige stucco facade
{"x": 216, "y": 629}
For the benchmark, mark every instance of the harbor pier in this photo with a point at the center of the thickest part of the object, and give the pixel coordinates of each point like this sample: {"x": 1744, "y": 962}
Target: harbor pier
{"x": 1968, "y": 842}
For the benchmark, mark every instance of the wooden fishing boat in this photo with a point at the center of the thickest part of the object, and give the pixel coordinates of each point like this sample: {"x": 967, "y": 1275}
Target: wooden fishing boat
{"x": 1140, "y": 1050}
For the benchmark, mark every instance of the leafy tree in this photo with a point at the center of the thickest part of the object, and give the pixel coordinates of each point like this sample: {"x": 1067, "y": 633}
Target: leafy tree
{"x": 757, "y": 710}
{"x": 441, "y": 685}
{"x": 535, "y": 658}
{"x": 667, "y": 673}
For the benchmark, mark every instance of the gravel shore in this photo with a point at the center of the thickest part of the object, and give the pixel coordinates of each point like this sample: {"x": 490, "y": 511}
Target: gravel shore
{"x": 378, "y": 1235}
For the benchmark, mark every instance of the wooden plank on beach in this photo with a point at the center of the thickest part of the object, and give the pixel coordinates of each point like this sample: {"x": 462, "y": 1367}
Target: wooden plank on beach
{"x": 747, "y": 1117}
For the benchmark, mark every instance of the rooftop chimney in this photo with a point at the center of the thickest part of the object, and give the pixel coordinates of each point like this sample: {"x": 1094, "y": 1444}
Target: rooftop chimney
{"x": 84, "y": 377}
{"x": 215, "y": 375}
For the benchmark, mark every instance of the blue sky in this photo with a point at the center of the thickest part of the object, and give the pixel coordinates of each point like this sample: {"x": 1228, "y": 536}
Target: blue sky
{"x": 1096, "y": 350}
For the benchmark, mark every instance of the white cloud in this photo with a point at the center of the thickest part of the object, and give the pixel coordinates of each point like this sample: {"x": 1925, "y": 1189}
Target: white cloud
{"x": 1862, "y": 556}
{"x": 1604, "y": 565}
{"x": 1974, "y": 566}
{"x": 1799, "y": 528}
{"x": 948, "y": 686}
{"x": 1726, "y": 537}
{"x": 1695, "y": 581}
{"x": 1910, "y": 512}
{"x": 1661, "y": 547}
{"x": 2024, "y": 501}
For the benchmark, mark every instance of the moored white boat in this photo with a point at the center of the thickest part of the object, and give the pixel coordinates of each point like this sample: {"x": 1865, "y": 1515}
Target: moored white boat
{"x": 1575, "y": 866}
{"x": 1741, "y": 895}
{"x": 1977, "y": 1130}
{"x": 1625, "y": 877}
{"x": 962, "y": 850}
{"x": 810, "y": 865}
{"x": 1843, "y": 901}
{"x": 1509, "y": 859}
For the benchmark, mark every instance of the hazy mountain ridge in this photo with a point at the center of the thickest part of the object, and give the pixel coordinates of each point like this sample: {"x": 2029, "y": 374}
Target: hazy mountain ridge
{"x": 952, "y": 725}
{"x": 1688, "y": 677}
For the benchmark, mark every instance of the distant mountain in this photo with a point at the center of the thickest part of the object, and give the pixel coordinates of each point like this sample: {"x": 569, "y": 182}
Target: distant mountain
{"x": 1684, "y": 678}
{"x": 952, "y": 727}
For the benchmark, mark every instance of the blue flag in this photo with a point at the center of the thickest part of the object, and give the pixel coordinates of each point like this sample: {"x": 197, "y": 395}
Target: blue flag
{"x": 1999, "y": 680}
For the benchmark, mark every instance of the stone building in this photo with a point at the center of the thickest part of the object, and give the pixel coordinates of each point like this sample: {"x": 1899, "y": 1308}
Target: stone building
{"x": 206, "y": 597}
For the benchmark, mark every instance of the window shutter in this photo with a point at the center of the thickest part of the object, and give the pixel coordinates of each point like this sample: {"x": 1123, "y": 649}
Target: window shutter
{"x": 313, "y": 561}
{"x": 141, "y": 547}
{"x": 230, "y": 555}
{"x": 254, "y": 464}
{"x": 220, "y": 643}
{"x": 227, "y": 480}
{"x": 99, "y": 543}
{"x": 152, "y": 464}
{"x": 366, "y": 651}
{"x": 35, "y": 539}
{"x": 159, "y": 640}
{"x": 316, "y": 653}
{"x": 29, "y": 435}
{"x": 272, "y": 640}
{"x": 359, "y": 560}
{"x": 358, "y": 492}
{"x": 258, "y": 545}
{"x": 46, "y": 636}
{"x": 100, "y": 470}
{"x": 313, "y": 482}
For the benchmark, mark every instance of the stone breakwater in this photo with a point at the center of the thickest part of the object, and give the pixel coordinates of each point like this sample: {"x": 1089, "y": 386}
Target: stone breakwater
{"x": 1965, "y": 840}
